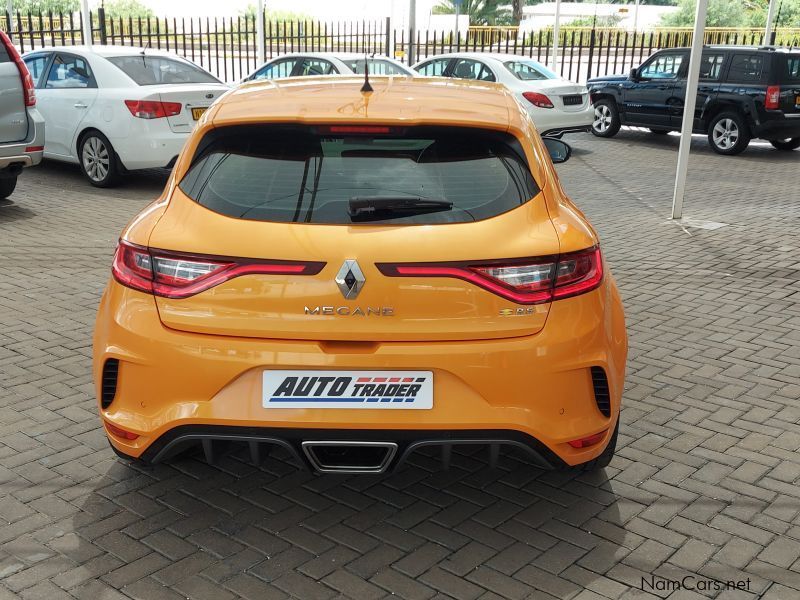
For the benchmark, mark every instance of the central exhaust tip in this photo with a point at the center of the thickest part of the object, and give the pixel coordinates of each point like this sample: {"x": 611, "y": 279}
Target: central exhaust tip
{"x": 349, "y": 457}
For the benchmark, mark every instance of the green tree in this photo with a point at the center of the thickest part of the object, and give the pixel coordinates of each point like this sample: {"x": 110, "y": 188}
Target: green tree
{"x": 276, "y": 15}
{"x": 45, "y": 6}
{"x": 127, "y": 8}
{"x": 787, "y": 13}
{"x": 481, "y": 12}
{"x": 721, "y": 13}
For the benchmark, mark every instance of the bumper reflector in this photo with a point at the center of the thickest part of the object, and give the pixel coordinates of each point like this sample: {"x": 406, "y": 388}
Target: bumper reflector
{"x": 120, "y": 433}
{"x": 588, "y": 441}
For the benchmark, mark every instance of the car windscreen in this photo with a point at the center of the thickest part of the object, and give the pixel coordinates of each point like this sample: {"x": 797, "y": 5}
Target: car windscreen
{"x": 156, "y": 70}
{"x": 376, "y": 66}
{"x": 413, "y": 175}
{"x": 528, "y": 70}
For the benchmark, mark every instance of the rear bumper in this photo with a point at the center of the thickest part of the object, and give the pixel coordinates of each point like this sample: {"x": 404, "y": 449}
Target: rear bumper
{"x": 778, "y": 126}
{"x": 259, "y": 442}
{"x": 539, "y": 387}
{"x": 149, "y": 145}
{"x": 556, "y": 122}
{"x": 18, "y": 154}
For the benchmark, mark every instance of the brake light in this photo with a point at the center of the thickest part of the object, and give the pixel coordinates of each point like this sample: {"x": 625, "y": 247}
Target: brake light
{"x": 358, "y": 129}
{"x": 28, "y": 88}
{"x": 180, "y": 275}
{"x": 153, "y": 109}
{"x": 773, "y": 99}
{"x": 538, "y": 99}
{"x": 588, "y": 441}
{"x": 523, "y": 281}
{"x": 119, "y": 432}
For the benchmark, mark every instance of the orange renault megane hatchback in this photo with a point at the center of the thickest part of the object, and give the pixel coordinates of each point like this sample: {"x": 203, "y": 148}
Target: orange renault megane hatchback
{"x": 354, "y": 275}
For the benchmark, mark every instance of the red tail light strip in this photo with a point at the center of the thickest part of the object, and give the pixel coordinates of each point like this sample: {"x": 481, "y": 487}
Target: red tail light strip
{"x": 24, "y": 74}
{"x": 180, "y": 275}
{"x": 569, "y": 275}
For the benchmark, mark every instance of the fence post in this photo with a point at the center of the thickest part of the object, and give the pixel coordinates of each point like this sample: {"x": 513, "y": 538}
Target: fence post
{"x": 260, "y": 34}
{"x": 388, "y": 37}
{"x": 101, "y": 21}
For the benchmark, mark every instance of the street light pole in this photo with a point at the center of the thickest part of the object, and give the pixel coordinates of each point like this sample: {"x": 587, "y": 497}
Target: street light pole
{"x": 556, "y": 25}
{"x": 770, "y": 18}
{"x": 87, "y": 23}
{"x": 412, "y": 29}
{"x": 260, "y": 33}
{"x": 695, "y": 58}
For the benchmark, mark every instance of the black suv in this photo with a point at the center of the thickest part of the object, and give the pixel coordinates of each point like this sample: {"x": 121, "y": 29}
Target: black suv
{"x": 744, "y": 93}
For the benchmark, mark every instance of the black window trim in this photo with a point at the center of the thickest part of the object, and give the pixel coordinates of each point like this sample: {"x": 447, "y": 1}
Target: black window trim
{"x": 447, "y": 68}
{"x": 37, "y": 84}
{"x": 46, "y": 75}
{"x": 299, "y": 64}
{"x": 766, "y": 66}
{"x": 681, "y": 74}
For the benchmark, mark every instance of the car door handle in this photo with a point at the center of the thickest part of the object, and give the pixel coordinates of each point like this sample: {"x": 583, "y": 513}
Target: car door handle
{"x": 80, "y": 105}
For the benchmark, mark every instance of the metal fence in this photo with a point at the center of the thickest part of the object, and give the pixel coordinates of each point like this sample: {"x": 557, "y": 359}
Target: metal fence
{"x": 228, "y": 46}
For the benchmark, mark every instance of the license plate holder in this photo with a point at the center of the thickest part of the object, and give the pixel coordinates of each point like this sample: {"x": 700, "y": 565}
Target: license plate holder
{"x": 336, "y": 389}
{"x": 198, "y": 112}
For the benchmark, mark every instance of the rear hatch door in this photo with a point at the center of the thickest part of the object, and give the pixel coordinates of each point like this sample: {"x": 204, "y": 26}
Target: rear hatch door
{"x": 13, "y": 117}
{"x": 256, "y": 195}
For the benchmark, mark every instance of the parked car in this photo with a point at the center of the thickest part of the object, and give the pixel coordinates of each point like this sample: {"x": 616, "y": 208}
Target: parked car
{"x": 556, "y": 105}
{"x": 21, "y": 125}
{"x": 317, "y": 285}
{"x": 113, "y": 109}
{"x": 305, "y": 64}
{"x": 744, "y": 93}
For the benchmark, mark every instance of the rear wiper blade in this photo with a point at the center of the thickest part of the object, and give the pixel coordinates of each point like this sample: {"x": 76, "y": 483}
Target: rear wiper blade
{"x": 363, "y": 208}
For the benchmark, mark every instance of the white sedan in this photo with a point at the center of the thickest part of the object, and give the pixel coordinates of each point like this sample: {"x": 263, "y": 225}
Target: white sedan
{"x": 556, "y": 105}
{"x": 114, "y": 109}
{"x": 307, "y": 64}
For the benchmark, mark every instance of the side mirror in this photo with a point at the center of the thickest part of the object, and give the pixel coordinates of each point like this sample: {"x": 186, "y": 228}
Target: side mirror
{"x": 634, "y": 75}
{"x": 559, "y": 151}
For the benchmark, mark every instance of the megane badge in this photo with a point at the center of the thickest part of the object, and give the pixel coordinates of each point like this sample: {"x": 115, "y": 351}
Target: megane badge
{"x": 350, "y": 279}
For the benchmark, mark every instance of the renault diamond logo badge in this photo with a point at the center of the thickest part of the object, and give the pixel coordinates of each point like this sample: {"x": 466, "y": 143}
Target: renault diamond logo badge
{"x": 350, "y": 279}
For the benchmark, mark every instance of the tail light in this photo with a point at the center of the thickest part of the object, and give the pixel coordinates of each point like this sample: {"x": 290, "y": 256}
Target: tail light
{"x": 538, "y": 99}
{"x": 180, "y": 275}
{"x": 25, "y": 76}
{"x": 523, "y": 281}
{"x": 153, "y": 109}
{"x": 773, "y": 99}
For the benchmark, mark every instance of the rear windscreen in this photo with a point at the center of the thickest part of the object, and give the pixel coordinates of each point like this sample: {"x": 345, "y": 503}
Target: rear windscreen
{"x": 415, "y": 175}
{"x": 156, "y": 70}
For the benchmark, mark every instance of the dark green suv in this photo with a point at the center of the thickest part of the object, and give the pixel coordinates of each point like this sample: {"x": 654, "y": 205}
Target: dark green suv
{"x": 744, "y": 93}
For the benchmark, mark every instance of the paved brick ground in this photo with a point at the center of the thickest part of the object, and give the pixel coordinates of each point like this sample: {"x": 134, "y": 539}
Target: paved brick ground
{"x": 705, "y": 484}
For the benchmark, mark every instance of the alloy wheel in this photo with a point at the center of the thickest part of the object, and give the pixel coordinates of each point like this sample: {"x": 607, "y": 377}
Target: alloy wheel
{"x": 96, "y": 159}
{"x": 725, "y": 134}
{"x": 602, "y": 118}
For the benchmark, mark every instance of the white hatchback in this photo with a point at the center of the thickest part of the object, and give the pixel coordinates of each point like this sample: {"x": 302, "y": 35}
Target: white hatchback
{"x": 556, "y": 105}
{"x": 113, "y": 109}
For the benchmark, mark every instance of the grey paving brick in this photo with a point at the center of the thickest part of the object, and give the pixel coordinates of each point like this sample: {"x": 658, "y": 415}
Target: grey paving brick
{"x": 705, "y": 480}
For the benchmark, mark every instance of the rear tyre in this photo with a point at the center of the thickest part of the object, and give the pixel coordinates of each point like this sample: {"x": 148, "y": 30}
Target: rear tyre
{"x": 606, "y": 122}
{"x": 99, "y": 162}
{"x": 7, "y": 185}
{"x": 602, "y": 461}
{"x": 786, "y": 145}
{"x": 728, "y": 134}
{"x": 659, "y": 131}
